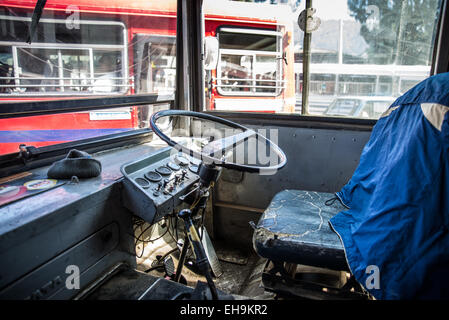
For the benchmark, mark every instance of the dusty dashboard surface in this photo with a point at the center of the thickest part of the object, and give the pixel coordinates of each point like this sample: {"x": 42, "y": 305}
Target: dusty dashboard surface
{"x": 79, "y": 223}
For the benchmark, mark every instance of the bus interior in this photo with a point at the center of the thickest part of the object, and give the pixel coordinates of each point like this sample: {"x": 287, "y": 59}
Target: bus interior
{"x": 193, "y": 150}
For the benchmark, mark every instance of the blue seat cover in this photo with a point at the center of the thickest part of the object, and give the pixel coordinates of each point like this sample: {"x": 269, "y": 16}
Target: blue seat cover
{"x": 294, "y": 228}
{"x": 399, "y": 199}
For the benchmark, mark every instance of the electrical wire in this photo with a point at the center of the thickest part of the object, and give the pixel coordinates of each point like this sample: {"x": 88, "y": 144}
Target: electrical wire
{"x": 171, "y": 235}
{"x": 151, "y": 240}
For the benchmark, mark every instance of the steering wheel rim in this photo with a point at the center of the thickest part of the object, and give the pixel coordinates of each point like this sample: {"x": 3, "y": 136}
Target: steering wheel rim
{"x": 203, "y": 156}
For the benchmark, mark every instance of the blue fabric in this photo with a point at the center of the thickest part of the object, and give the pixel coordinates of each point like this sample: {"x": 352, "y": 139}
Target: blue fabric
{"x": 399, "y": 201}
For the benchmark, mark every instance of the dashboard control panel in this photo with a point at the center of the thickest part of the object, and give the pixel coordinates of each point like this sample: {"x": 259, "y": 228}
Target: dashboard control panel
{"x": 153, "y": 185}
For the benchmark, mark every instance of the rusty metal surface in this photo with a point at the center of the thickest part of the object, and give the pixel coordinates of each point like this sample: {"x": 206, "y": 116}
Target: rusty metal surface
{"x": 231, "y": 254}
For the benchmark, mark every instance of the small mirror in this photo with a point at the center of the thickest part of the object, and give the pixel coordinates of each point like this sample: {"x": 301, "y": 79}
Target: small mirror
{"x": 210, "y": 53}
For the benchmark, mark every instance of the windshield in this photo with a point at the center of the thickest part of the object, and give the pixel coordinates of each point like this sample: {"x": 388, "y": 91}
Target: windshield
{"x": 377, "y": 49}
{"x": 109, "y": 49}
{"x": 122, "y": 51}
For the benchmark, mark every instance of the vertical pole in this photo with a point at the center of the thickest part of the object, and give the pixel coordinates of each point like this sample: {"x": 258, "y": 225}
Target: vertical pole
{"x": 400, "y": 33}
{"x": 125, "y": 71}
{"x": 340, "y": 42}
{"x": 197, "y": 55}
{"x": 91, "y": 68}
{"x": 16, "y": 67}
{"x": 306, "y": 64}
{"x": 189, "y": 56}
{"x": 61, "y": 71}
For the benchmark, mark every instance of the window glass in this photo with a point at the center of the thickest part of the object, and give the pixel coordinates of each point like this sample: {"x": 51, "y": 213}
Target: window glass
{"x": 155, "y": 66}
{"x": 266, "y": 74}
{"x": 64, "y": 59}
{"x": 6, "y": 71}
{"x": 107, "y": 66}
{"x": 250, "y": 62}
{"x": 343, "y": 107}
{"x": 37, "y": 70}
{"x": 79, "y": 51}
{"x": 247, "y": 41}
{"x": 369, "y": 50}
{"x": 236, "y": 73}
{"x": 372, "y": 48}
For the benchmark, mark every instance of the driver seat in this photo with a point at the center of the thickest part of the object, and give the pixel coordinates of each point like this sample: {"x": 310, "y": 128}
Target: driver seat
{"x": 302, "y": 235}
{"x": 305, "y": 256}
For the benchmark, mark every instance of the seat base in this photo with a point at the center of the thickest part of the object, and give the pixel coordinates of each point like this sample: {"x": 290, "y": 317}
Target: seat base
{"x": 295, "y": 228}
{"x": 299, "y": 281}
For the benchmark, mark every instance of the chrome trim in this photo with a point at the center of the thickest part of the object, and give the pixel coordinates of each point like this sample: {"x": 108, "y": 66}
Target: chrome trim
{"x": 47, "y": 45}
{"x": 251, "y": 52}
{"x": 251, "y": 31}
{"x": 47, "y": 20}
{"x": 248, "y": 79}
{"x": 248, "y": 86}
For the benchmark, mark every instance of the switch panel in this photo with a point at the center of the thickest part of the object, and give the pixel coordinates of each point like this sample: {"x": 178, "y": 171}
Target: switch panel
{"x": 153, "y": 185}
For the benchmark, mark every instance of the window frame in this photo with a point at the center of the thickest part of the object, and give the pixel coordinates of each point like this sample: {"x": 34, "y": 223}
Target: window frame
{"x": 126, "y": 81}
{"x": 278, "y": 55}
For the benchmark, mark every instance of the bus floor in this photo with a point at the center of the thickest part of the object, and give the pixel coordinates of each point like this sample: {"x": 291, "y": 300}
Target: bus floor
{"x": 241, "y": 271}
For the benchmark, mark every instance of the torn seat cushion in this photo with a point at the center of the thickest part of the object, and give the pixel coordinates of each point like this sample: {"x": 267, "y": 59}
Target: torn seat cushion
{"x": 76, "y": 163}
{"x": 294, "y": 228}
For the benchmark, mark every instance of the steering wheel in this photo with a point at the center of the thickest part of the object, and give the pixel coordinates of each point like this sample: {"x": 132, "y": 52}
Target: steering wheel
{"x": 222, "y": 145}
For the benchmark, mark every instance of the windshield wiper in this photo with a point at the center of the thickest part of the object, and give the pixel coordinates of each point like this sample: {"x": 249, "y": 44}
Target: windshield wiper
{"x": 35, "y": 19}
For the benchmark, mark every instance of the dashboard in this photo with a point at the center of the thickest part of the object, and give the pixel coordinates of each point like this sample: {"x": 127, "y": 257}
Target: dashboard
{"x": 153, "y": 186}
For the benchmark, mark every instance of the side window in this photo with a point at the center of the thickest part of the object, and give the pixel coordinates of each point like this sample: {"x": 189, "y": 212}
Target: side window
{"x": 37, "y": 70}
{"x": 6, "y": 70}
{"x": 107, "y": 71}
{"x": 367, "y": 110}
{"x": 87, "y": 60}
{"x": 250, "y": 62}
{"x": 358, "y": 85}
{"x": 154, "y": 70}
{"x": 372, "y": 51}
{"x": 343, "y": 107}
{"x": 68, "y": 71}
{"x": 155, "y": 67}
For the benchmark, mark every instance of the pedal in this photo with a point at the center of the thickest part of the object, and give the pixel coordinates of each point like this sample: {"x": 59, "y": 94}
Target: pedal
{"x": 210, "y": 253}
{"x": 157, "y": 262}
{"x": 169, "y": 266}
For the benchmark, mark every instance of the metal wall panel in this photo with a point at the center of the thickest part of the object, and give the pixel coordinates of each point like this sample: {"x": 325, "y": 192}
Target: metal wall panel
{"x": 318, "y": 160}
